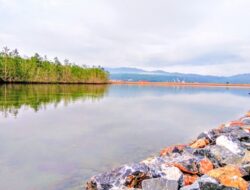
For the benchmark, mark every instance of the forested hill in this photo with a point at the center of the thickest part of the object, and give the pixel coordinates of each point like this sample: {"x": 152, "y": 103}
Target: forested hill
{"x": 134, "y": 74}
{"x": 36, "y": 69}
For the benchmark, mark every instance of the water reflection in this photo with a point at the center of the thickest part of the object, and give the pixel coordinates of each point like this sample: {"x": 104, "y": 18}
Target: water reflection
{"x": 13, "y": 97}
{"x": 58, "y": 148}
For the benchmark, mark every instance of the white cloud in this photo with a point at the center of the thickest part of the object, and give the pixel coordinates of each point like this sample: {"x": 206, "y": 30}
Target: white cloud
{"x": 175, "y": 35}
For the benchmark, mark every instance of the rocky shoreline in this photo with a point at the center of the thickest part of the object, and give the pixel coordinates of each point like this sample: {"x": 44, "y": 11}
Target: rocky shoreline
{"x": 218, "y": 159}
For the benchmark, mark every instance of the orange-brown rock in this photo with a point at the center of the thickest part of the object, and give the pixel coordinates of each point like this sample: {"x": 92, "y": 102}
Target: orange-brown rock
{"x": 229, "y": 169}
{"x": 200, "y": 143}
{"x": 205, "y": 165}
{"x": 234, "y": 181}
{"x": 135, "y": 180}
{"x": 236, "y": 123}
{"x": 171, "y": 149}
{"x": 230, "y": 176}
{"x": 189, "y": 169}
{"x": 189, "y": 179}
{"x": 91, "y": 186}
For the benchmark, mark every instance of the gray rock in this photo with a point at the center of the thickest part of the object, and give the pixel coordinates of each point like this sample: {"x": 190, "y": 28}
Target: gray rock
{"x": 211, "y": 135}
{"x": 207, "y": 183}
{"x": 116, "y": 178}
{"x": 159, "y": 184}
{"x": 224, "y": 156}
{"x": 246, "y": 120}
{"x": 204, "y": 183}
{"x": 194, "y": 186}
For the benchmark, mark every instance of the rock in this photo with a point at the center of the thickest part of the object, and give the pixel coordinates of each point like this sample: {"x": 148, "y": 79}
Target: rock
{"x": 229, "y": 176}
{"x": 224, "y": 156}
{"x": 159, "y": 184}
{"x": 200, "y": 143}
{"x": 187, "y": 166}
{"x": 229, "y": 170}
{"x": 194, "y": 186}
{"x": 237, "y": 133}
{"x": 236, "y": 123}
{"x": 246, "y": 158}
{"x": 245, "y": 120}
{"x": 207, "y": 153}
{"x": 135, "y": 179}
{"x": 246, "y": 128}
{"x": 149, "y": 161}
{"x": 171, "y": 149}
{"x": 189, "y": 179}
{"x": 90, "y": 185}
{"x": 205, "y": 165}
{"x": 246, "y": 168}
{"x": 234, "y": 181}
{"x": 171, "y": 173}
{"x": 207, "y": 183}
{"x": 228, "y": 143}
{"x": 218, "y": 160}
{"x": 211, "y": 135}
{"x": 116, "y": 177}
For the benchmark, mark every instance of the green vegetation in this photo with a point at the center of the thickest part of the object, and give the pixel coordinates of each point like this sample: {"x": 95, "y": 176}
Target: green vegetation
{"x": 15, "y": 96}
{"x": 14, "y": 68}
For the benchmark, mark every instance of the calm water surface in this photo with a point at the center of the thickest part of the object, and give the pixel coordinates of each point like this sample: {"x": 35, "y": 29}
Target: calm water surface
{"x": 55, "y": 137}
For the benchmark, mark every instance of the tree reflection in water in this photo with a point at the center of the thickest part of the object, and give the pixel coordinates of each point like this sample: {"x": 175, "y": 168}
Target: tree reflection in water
{"x": 36, "y": 96}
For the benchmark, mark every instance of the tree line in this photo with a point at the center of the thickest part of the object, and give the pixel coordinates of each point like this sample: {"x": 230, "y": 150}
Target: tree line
{"x": 37, "y": 69}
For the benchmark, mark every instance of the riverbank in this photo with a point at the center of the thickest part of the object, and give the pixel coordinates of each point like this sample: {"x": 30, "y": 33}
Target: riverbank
{"x": 218, "y": 159}
{"x": 147, "y": 83}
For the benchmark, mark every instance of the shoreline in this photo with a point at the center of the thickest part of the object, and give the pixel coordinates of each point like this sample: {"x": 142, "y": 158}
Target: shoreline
{"x": 59, "y": 83}
{"x": 140, "y": 83}
{"x": 171, "y": 84}
{"x": 218, "y": 159}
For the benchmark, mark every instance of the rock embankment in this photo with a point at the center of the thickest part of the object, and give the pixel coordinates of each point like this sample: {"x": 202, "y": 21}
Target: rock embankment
{"x": 218, "y": 159}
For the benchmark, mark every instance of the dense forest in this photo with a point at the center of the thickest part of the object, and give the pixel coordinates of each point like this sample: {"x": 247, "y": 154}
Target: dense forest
{"x": 37, "y": 69}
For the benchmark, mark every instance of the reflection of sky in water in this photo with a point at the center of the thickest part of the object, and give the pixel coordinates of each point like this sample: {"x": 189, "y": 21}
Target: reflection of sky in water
{"x": 59, "y": 148}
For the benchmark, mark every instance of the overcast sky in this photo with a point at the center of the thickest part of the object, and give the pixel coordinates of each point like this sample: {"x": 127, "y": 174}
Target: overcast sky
{"x": 190, "y": 36}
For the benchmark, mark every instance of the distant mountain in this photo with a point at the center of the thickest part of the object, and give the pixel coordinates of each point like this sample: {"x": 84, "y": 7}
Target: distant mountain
{"x": 135, "y": 74}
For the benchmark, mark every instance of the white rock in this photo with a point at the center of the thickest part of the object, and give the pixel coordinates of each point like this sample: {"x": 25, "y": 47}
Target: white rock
{"x": 171, "y": 173}
{"x": 229, "y": 144}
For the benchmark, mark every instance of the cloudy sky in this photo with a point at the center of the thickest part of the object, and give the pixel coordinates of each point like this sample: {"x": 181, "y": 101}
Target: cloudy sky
{"x": 190, "y": 36}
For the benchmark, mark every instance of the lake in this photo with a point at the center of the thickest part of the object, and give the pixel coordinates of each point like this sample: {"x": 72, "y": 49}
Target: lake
{"x": 57, "y": 136}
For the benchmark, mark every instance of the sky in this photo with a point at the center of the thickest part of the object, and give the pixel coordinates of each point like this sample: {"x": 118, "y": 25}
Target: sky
{"x": 195, "y": 36}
